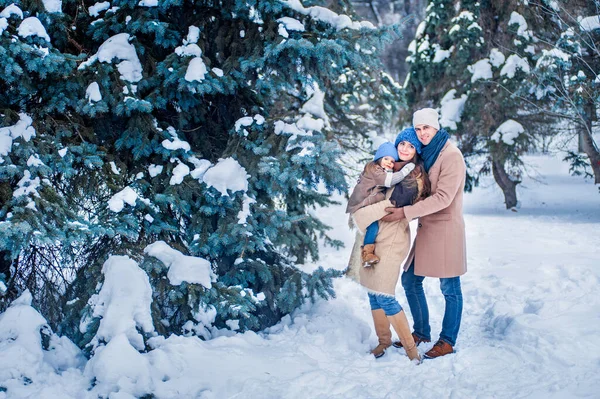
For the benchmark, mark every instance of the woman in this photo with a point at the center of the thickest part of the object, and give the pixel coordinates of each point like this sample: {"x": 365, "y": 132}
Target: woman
{"x": 392, "y": 245}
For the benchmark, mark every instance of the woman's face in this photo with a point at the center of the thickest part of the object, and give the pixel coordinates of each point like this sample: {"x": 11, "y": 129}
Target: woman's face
{"x": 406, "y": 151}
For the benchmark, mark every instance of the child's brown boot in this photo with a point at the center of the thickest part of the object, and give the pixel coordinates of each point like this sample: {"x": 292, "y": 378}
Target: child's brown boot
{"x": 368, "y": 255}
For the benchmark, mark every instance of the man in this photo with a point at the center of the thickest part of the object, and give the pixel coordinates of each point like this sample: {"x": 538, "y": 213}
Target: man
{"x": 439, "y": 249}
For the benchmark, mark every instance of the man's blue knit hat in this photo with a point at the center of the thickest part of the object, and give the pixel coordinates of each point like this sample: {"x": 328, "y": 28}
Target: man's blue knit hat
{"x": 387, "y": 149}
{"x": 409, "y": 134}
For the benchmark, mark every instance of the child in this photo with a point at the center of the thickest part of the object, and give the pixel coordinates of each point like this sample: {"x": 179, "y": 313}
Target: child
{"x": 376, "y": 177}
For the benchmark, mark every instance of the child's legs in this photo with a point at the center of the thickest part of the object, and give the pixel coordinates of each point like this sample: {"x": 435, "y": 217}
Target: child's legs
{"x": 371, "y": 233}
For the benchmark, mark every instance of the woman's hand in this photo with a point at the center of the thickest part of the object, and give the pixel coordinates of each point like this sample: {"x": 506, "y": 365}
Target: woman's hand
{"x": 394, "y": 215}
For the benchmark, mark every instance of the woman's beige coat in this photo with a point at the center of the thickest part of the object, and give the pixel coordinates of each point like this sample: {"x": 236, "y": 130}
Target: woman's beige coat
{"x": 391, "y": 245}
{"x": 440, "y": 246}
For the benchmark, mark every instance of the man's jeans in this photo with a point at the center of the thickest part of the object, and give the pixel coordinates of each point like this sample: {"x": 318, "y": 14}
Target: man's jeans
{"x": 415, "y": 295}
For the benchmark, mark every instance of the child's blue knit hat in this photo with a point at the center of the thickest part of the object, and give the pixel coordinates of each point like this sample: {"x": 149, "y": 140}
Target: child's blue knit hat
{"x": 387, "y": 149}
{"x": 409, "y": 134}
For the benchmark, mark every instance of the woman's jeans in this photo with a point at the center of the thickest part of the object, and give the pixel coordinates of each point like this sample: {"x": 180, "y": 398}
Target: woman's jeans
{"x": 415, "y": 295}
{"x": 389, "y": 304}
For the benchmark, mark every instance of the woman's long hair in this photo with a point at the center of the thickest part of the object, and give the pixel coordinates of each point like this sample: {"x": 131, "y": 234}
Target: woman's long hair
{"x": 420, "y": 178}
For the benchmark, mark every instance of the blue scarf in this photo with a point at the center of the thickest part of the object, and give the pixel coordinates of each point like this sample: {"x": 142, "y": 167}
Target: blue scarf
{"x": 432, "y": 150}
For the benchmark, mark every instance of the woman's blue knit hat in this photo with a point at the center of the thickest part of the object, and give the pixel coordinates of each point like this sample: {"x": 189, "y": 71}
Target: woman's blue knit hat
{"x": 386, "y": 149}
{"x": 409, "y": 134}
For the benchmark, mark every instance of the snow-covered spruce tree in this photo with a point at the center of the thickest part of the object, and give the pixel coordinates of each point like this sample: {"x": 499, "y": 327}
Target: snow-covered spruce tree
{"x": 568, "y": 76}
{"x": 41, "y": 154}
{"x": 210, "y": 128}
{"x": 469, "y": 58}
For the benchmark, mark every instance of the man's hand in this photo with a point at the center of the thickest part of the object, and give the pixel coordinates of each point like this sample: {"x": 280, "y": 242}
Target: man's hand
{"x": 394, "y": 215}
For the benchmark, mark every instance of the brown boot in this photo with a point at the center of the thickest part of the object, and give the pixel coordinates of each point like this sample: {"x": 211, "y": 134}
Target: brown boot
{"x": 368, "y": 255}
{"x": 440, "y": 348}
{"x": 418, "y": 340}
{"x": 400, "y": 324}
{"x": 384, "y": 334}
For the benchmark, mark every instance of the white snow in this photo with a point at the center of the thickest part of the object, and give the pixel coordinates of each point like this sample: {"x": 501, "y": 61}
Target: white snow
{"x": 179, "y": 173}
{"x": 218, "y": 72}
{"x": 200, "y": 167}
{"x": 338, "y": 21}
{"x": 440, "y": 54}
{"x": 468, "y": 15}
{"x": 532, "y": 281}
{"x": 125, "y": 196}
{"x": 482, "y": 69}
{"x": 590, "y": 23}
{"x": 451, "y": 109}
{"x": 32, "y": 26}
{"x": 549, "y": 57}
{"x": 155, "y": 170}
{"x": 97, "y": 8}
{"x": 34, "y": 160}
{"x": 516, "y": 18}
{"x": 190, "y": 269}
{"x": 310, "y": 124}
{"x": 20, "y": 342}
{"x": 191, "y": 49}
{"x": 148, "y": 3}
{"x": 62, "y": 152}
{"x": 315, "y": 104}
{"x": 292, "y": 129}
{"x": 508, "y": 132}
{"x": 118, "y": 47}
{"x": 92, "y": 93}
{"x": 53, "y": 6}
{"x": 113, "y": 168}
{"x": 27, "y": 186}
{"x": 3, "y": 25}
{"x": 514, "y": 62}
{"x": 123, "y": 303}
{"x": 291, "y": 24}
{"x": 12, "y": 9}
{"x": 193, "y": 35}
{"x": 22, "y": 129}
{"x": 420, "y": 29}
{"x": 176, "y": 144}
{"x": 3, "y": 287}
{"x": 227, "y": 174}
{"x": 196, "y": 70}
{"x": 496, "y": 58}
{"x": 245, "y": 212}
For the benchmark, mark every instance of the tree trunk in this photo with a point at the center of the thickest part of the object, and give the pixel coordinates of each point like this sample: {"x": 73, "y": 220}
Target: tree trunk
{"x": 587, "y": 141}
{"x": 508, "y": 186}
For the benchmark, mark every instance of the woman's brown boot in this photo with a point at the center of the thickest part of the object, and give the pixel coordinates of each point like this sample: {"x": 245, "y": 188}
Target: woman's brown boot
{"x": 384, "y": 334}
{"x": 400, "y": 324}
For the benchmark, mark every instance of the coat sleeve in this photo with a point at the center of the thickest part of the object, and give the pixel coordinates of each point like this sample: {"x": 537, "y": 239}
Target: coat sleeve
{"x": 452, "y": 173}
{"x": 368, "y": 214}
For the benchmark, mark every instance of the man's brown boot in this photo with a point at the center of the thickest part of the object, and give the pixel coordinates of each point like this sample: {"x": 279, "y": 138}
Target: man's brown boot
{"x": 440, "y": 348}
{"x": 384, "y": 334}
{"x": 418, "y": 340}
{"x": 368, "y": 255}
{"x": 400, "y": 324}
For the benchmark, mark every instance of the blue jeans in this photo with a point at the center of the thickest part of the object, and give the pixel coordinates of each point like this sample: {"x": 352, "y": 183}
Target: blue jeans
{"x": 371, "y": 233}
{"x": 389, "y": 304}
{"x": 413, "y": 287}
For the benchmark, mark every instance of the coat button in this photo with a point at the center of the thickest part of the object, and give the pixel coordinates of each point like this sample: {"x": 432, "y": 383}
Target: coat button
{"x": 420, "y": 225}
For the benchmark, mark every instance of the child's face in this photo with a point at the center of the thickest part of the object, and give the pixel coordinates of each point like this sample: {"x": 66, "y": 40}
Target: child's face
{"x": 406, "y": 151}
{"x": 387, "y": 162}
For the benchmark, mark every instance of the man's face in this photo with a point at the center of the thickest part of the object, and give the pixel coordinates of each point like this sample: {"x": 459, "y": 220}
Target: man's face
{"x": 425, "y": 133}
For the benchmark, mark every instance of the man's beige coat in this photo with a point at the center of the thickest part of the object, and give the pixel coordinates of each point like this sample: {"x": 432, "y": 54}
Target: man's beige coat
{"x": 440, "y": 246}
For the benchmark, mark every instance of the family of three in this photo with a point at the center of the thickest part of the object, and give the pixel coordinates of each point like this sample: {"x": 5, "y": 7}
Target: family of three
{"x": 421, "y": 175}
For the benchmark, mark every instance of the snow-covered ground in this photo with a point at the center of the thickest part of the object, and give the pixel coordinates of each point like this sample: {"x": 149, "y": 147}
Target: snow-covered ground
{"x": 530, "y": 326}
